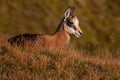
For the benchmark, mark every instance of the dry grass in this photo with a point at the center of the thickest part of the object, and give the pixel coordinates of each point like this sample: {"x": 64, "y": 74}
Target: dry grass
{"x": 70, "y": 64}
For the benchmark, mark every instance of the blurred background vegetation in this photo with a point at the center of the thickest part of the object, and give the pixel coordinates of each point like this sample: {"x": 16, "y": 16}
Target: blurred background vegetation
{"x": 99, "y": 20}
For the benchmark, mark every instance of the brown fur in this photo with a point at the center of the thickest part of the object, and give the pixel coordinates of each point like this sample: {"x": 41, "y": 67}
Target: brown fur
{"x": 57, "y": 41}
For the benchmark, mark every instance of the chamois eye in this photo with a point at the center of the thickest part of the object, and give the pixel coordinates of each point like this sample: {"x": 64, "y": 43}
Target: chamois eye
{"x": 70, "y": 22}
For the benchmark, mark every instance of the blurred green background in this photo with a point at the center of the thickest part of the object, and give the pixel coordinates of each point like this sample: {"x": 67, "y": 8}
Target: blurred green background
{"x": 99, "y": 20}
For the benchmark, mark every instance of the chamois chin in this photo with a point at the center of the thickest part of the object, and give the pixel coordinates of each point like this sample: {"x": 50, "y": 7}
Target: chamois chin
{"x": 69, "y": 25}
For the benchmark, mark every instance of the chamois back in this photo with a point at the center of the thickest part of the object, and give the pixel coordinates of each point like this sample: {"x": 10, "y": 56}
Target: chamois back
{"x": 69, "y": 25}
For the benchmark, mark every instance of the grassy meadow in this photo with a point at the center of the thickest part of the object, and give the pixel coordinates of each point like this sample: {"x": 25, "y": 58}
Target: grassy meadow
{"x": 94, "y": 56}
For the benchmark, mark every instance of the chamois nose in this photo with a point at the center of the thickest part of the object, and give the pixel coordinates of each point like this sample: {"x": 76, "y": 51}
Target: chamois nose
{"x": 80, "y": 33}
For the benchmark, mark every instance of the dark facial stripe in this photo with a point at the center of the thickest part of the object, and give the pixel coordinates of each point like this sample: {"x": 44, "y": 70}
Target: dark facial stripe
{"x": 73, "y": 26}
{"x": 69, "y": 23}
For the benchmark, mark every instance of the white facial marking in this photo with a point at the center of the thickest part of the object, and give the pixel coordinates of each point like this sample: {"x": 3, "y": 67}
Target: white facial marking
{"x": 74, "y": 31}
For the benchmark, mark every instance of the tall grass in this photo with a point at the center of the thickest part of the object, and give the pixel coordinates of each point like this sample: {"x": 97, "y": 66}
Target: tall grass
{"x": 70, "y": 64}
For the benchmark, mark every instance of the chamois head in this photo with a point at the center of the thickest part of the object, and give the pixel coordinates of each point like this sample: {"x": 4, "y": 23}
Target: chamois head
{"x": 72, "y": 23}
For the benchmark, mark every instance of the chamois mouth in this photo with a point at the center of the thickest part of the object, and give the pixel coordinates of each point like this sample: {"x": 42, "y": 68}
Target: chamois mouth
{"x": 78, "y": 34}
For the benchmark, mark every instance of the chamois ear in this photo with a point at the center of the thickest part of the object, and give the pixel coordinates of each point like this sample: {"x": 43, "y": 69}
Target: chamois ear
{"x": 72, "y": 10}
{"x": 67, "y": 13}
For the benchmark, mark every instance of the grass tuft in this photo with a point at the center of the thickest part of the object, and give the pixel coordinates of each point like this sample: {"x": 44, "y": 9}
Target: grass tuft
{"x": 69, "y": 64}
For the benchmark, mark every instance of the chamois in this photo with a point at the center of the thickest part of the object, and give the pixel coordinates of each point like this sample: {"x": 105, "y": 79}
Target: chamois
{"x": 69, "y": 25}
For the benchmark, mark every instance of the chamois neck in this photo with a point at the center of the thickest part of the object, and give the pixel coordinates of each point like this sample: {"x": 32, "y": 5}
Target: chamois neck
{"x": 61, "y": 33}
{"x": 60, "y": 28}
